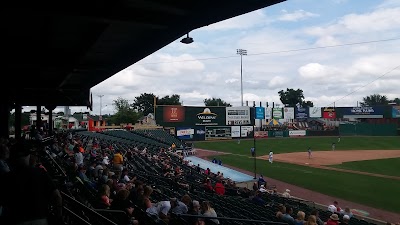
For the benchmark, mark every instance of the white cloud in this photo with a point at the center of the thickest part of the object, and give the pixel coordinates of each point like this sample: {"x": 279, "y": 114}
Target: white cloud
{"x": 246, "y": 21}
{"x": 296, "y": 15}
{"x": 324, "y": 74}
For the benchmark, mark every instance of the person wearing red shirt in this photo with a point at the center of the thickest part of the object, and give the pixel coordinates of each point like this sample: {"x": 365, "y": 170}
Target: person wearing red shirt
{"x": 219, "y": 188}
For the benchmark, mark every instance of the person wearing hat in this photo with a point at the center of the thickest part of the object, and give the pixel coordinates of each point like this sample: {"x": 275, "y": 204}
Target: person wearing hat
{"x": 286, "y": 194}
{"x": 333, "y": 220}
{"x": 345, "y": 220}
{"x": 36, "y": 191}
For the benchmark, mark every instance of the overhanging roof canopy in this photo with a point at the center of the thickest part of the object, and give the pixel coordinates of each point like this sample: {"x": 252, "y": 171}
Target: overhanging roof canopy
{"x": 55, "y": 51}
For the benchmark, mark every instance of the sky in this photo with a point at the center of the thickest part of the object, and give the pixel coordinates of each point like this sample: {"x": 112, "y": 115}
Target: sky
{"x": 336, "y": 51}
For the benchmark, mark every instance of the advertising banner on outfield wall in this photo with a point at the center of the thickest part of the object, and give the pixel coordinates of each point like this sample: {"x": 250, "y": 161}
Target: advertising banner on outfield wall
{"x": 293, "y": 133}
{"x": 288, "y": 113}
{"x": 328, "y": 113}
{"x": 277, "y": 113}
{"x": 238, "y": 115}
{"x": 235, "y": 131}
{"x": 261, "y": 134}
{"x": 301, "y": 113}
{"x": 373, "y": 110}
{"x": 246, "y": 131}
{"x": 268, "y": 113}
{"x": 184, "y": 133}
{"x": 315, "y": 112}
{"x": 396, "y": 112}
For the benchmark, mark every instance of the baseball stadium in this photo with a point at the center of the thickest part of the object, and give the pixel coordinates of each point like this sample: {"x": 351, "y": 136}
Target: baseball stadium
{"x": 156, "y": 163}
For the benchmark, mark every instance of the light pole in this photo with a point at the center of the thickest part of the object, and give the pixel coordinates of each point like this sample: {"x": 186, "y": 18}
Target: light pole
{"x": 241, "y": 52}
{"x": 100, "y": 96}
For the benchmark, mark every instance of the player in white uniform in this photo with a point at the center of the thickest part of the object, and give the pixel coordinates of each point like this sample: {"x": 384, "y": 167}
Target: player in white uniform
{"x": 271, "y": 157}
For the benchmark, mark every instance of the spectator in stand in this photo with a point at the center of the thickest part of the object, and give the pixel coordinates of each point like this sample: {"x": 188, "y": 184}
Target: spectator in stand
{"x": 312, "y": 220}
{"x": 287, "y": 216}
{"x": 160, "y": 209}
{"x": 316, "y": 214}
{"x": 281, "y": 211}
{"x": 4, "y": 155}
{"x": 334, "y": 208}
{"x": 178, "y": 207}
{"x": 78, "y": 156}
{"x": 255, "y": 186}
{"x": 194, "y": 209}
{"x": 208, "y": 211}
{"x": 104, "y": 193}
{"x": 345, "y": 220}
{"x": 125, "y": 177}
{"x": 261, "y": 181}
{"x": 257, "y": 199}
{"x": 122, "y": 203}
{"x": 347, "y": 212}
{"x": 333, "y": 220}
{"x": 144, "y": 200}
{"x": 118, "y": 160}
{"x": 286, "y": 194}
{"x": 262, "y": 188}
{"x": 26, "y": 192}
{"x": 219, "y": 188}
{"x": 300, "y": 218}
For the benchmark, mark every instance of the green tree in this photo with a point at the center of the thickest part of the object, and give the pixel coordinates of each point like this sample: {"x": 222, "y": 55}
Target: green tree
{"x": 293, "y": 98}
{"x": 307, "y": 104}
{"x": 215, "y": 102}
{"x": 169, "y": 100}
{"x": 125, "y": 112}
{"x": 396, "y": 101}
{"x": 144, "y": 103}
{"x": 374, "y": 100}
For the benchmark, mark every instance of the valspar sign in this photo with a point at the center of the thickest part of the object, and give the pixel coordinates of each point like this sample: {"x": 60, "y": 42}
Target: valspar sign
{"x": 238, "y": 115}
{"x": 297, "y": 133}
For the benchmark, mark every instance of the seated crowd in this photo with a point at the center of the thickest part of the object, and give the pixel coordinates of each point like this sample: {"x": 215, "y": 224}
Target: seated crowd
{"x": 153, "y": 181}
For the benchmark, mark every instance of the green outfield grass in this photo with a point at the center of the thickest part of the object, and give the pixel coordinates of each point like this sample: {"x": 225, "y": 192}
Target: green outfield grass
{"x": 284, "y": 145}
{"x": 372, "y": 191}
{"x": 389, "y": 167}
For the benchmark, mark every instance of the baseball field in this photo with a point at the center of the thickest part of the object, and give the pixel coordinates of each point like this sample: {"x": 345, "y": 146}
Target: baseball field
{"x": 364, "y": 170}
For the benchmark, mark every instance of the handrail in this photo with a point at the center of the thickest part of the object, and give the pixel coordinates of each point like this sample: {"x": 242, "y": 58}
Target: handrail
{"x": 89, "y": 209}
{"x": 76, "y": 216}
{"x": 54, "y": 161}
{"x": 230, "y": 218}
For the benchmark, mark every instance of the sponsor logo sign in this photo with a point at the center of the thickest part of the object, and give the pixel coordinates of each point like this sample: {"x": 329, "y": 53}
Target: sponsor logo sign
{"x": 174, "y": 114}
{"x": 396, "y": 112}
{"x": 206, "y": 117}
{"x": 235, "y": 131}
{"x": 297, "y": 133}
{"x": 277, "y": 113}
{"x": 260, "y": 113}
{"x": 315, "y": 112}
{"x": 245, "y": 131}
{"x": 261, "y": 134}
{"x": 288, "y": 113}
{"x": 329, "y": 113}
{"x": 301, "y": 113}
{"x": 238, "y": 115}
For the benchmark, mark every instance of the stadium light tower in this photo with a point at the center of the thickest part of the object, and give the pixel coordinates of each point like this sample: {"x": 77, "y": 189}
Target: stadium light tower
{"x": 241, "y": 52}
{"x": 100, "y": 96}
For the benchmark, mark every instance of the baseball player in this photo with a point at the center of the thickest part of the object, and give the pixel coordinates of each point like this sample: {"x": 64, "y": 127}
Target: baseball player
{"x": 271, "y": 157}
{"x": 309, "y": 153}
